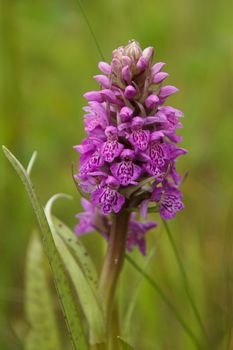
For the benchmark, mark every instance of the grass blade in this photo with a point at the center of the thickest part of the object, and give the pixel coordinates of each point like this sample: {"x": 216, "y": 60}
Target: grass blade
{"x": 167, "y": 301}
{"x": 133, "y": 299}
{"x": 186, "y": 282}
{"x": 90, "y": 28}
{"x": 40, "y": 314}
{"x": 61, "y": 281}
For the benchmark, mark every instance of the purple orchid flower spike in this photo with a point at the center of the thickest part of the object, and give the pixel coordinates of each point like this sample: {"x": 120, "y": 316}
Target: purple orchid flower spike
{"x": 128, "y": 159}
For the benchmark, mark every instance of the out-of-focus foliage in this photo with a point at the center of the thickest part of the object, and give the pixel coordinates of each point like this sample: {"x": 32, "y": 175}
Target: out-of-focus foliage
{"x": 43, "y": 333}
{"x": 47, "y": 59}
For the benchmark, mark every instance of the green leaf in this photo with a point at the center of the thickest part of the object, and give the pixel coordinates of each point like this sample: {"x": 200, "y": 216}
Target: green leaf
{"x": 74, "y": 243}
{"x": 61, "y": 280}
{"x": 80, "y": 274}
{"x": 40, "y": 314}
{"x": 128, "y": 191}
{"x": 123, "y": 345}
{"x": 31, "y": 162}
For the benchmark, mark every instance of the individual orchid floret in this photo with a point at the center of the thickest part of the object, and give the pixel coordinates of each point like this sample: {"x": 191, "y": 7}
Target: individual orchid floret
{"x": 169, "y": 199}
{"x": 138, "y": 137}
{"x": 107, "y": 197}
{"x": 96, "y": 117}
{"x": 111, "y": 148}
{"x": 126, "y": 171}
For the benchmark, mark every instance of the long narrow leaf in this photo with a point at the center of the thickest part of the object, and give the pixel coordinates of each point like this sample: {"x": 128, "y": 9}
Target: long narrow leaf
{"x": 88, "y": 297}
{"x": 40, "y": 314}
{"x": 74, "y": 243}
{"x": 61, "y": 281}
{"x": 78, "y": 251}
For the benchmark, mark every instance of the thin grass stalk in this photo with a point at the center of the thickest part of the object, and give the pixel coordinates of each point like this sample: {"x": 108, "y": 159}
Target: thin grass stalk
{"x": 186, "y": 282}
{"x": 167, "y": 301}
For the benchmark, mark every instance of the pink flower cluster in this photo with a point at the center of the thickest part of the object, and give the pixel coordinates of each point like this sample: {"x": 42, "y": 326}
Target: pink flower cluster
{"x": 131, "y": 138}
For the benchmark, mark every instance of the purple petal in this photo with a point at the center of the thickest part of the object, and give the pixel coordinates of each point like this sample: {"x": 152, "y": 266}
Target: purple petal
{"x": 126, "y": 114}
{"x": 93, "y": 96}
{"x": 130, "y": 92}
{"x": 159, "y": 77}
{"x": 167, "y": 90}
{"x": 103, "y": 80}
{"x": 126, "y": 74}
{"x": 105, "y": 67}
{"x": 151, "y": 101}
{"x": 141, "y": 64}
{"x": 157, "y": 67}
{"x": 148, "y": 53}
{"x": 156, "y": 135}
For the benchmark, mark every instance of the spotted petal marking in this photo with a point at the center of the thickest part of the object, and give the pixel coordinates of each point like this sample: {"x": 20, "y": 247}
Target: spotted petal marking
{"x": 126, "y": 172}
{"x": 140, "y": 139}
{"x": 111, "y": 150}
{"x": 108, "y": 199}
{"x": 170, "y": 203}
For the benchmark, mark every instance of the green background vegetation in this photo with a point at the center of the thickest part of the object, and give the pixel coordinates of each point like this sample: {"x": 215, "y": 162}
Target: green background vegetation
{"x": 47, "y": 60}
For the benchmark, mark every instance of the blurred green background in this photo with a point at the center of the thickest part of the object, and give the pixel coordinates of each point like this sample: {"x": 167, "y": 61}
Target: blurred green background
{"x": 47, "y": 60}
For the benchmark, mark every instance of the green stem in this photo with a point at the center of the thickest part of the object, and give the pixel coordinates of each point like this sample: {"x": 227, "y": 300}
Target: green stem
{"x": 113, "y": 261}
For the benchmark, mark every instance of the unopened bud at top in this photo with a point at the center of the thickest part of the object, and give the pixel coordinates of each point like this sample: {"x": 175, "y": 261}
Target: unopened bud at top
{"x": 133, "y": 50}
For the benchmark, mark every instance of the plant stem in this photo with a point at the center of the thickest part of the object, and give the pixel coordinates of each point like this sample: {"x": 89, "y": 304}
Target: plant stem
{"x": 113, "y": 261}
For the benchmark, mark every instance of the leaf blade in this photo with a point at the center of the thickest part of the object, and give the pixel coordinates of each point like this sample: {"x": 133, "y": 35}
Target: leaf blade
{"x": 61, "y": 281}
{"x": 83, "y": 286}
